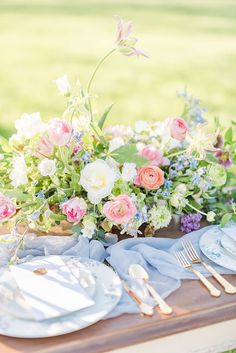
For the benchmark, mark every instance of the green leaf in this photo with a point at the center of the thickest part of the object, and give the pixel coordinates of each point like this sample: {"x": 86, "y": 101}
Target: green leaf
{"x": 225, "y": 219}
{"x": 128, "y": 153}
{"x": 5, "y": 145}
{"x": 104, "y": 116}
{"x": 229, "y": 135}
{"x": 76, "y": 229}
{"x": 57, "y": 217}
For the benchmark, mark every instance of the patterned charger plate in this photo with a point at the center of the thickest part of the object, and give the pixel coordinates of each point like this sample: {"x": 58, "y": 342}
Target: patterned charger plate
{"x": 210, "y": 245}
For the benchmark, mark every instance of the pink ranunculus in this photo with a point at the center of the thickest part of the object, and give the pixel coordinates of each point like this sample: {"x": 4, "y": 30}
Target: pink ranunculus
{"x": 59, "y": 132}
{"x": 75, "y": 209}
{"x": 7, "y": 208}
{"x": 120, "y": 210}
{"x": 178, "y": 128}
{"x": 44, "y": 147}
{"x": 152, "y": 154}
{"x": 150, "y": 177}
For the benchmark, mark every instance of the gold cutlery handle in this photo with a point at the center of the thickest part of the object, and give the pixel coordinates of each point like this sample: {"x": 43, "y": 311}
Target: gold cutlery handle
{"x": 229, "y": 288}
{"x": 212, "y": 289}
{"x": 144, "y": 308}
{"x": 163, "y": 306}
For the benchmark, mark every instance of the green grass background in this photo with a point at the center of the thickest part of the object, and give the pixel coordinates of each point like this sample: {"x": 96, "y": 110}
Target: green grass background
{"x": 190, "y": 43}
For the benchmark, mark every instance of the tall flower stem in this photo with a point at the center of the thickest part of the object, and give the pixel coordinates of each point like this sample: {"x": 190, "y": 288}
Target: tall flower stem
{"x": 196, "y": 209}
{"x": 176, "y": 154}
{"x": 94, "y": 74}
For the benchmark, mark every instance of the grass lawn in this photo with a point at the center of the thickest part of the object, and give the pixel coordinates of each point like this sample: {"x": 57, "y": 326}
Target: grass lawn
{"x": 190, "y": 43}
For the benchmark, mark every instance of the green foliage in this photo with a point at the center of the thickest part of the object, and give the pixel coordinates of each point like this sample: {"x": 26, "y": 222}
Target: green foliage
{"x": 128, "y": 153}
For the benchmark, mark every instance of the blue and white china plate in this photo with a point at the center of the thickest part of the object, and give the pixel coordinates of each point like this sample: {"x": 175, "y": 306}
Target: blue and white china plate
{"x": 210, "y": 245}
{"x": 106, "y": 293}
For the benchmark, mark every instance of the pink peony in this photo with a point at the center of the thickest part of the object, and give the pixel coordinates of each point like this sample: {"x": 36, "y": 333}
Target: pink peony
{"x": 59, "y": 132}
{"x": 178, "y": 128}
{"x": 152, "y": 154}
{"x": 150, "y": 177}
{"x": 120, "y": 210}
{"x": 75, "y": 209}
{"x": 7, "y": 208}
{"x": 44, "y": 147}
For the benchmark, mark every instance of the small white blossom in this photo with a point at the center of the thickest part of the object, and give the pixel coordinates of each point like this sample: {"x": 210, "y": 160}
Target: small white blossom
{"x": 129, "y": 171}
{"x": 116, "y": 143}
{"x": 47, "y": 167}
{"x": 211, "y": 216}
{"x": 181, "y": 189}
{"x": 88, "y": 230}
{"x": 63, "y": 85}
{"x": 29, "y": 125}
{"x": 141, "y": 126}
{"x": 18, "y": 174}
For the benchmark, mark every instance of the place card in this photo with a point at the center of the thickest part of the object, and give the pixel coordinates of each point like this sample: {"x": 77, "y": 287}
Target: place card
{"x": 49, "y": 287}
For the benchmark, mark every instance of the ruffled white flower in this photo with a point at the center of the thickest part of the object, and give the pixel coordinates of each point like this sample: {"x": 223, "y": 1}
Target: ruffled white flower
{"x": 47, "y": 167}
{"x": 159, "y": 216}
{"x": 98, "y": 179}
{"x": 29, "y": 125}
{"x": 63, "y": 85}
{"x": 18, "y": 174}
{"x": 82, "y": 123}
{"x": 129, "y": 171}
{"x": 141, "y": 126}
{"x": 211, "y": 216}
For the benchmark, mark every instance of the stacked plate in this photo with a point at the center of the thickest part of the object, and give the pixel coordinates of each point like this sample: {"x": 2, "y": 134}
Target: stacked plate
{"x": 219, "y": 245}
{"x": 99, "y": 281}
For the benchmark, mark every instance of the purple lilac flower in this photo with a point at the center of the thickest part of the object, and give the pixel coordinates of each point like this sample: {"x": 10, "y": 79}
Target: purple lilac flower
{"x": 224, "y": 158}
{"x": 190, "y": 222}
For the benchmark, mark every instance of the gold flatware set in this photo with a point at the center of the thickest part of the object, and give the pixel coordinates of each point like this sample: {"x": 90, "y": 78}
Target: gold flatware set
{"x": 187, "y": 258}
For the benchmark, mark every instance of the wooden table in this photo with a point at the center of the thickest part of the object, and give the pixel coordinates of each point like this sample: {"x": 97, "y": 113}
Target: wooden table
{"x": 197, "y": 315}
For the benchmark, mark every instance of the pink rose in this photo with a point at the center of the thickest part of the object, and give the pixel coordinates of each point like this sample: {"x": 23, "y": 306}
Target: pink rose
{"x": 59, "y": 132}
{"x": 178, "y": 128}
{"x": 7, "y": 208}
{"x": 150, "y": 177}
{"x": 120, "y": 210}
{"x": 75, "y": 209}
{"x": 44, "y": 147}
{"x": 152, "y": 154}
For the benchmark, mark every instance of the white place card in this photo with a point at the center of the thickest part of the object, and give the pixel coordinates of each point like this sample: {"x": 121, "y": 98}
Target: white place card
{"x": 55, "y": 293}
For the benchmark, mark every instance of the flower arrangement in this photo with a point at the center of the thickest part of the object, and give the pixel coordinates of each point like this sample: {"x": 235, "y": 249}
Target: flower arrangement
{"x": 103, "y": 180}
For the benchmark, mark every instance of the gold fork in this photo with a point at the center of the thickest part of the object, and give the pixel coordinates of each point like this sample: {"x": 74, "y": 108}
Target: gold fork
{"x": 195, "y": 258}
{"x": 180, "y": 256}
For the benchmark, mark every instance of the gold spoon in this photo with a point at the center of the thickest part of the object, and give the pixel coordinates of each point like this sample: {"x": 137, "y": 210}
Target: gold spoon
{"x": 138, "y": 272}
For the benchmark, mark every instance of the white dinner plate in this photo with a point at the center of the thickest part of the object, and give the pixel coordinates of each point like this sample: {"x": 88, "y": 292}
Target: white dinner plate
{"x": 108, "y": 291}
{"x": 228, "y": 244}
{"x": 13, "y": 302}
{"x": 210, "y": 245}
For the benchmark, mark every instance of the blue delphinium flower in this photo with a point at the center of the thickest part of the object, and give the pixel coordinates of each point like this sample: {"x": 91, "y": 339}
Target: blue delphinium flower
{"x": 193, "y": 163}
{"x": 40, "y": 195}
{"x": 168, "y": 184}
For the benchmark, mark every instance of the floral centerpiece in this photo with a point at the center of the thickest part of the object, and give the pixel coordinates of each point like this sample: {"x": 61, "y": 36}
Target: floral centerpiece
{"x": 102, "y": 181}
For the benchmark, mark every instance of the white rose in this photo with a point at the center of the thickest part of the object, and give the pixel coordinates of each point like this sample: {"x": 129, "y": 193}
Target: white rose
{"x": 129, "y": 171}
{"x": 181, "y": 188}
{"x": 174, "y": 200}
{"x": 47, "y": 167}
{"x": 29, "y": 125}
{"x": 141, "y": 126}
{"x": 98, "y": 179}
{"x": 63, "y": 85}
{"x": 18, "y": 174}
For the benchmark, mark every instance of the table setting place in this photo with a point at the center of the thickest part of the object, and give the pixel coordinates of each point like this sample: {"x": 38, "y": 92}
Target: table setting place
{"x": 60, "y": 285}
